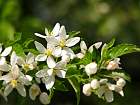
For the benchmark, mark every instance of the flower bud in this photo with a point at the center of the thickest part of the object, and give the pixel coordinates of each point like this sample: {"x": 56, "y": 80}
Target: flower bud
{"x": 91, "y": 68}
{"x": 95, "y": 84}
{"x": 44, "y": 98}
{"x": 121, "y": 82}
{"x": 87, "y": 89}
{"x": 113, "y": 64}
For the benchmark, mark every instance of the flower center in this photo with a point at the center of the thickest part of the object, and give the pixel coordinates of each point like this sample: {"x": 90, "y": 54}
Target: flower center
{"x": 26, "y": 66}
{"x": 48, "y": 52}
{"x": 14, "y": 83}
{"x": 62, "y": 43}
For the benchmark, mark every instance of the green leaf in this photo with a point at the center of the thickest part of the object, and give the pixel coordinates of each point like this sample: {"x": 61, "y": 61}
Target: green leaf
{"x": 27, "y": 42}
{"x": 87, "y": 59}
{"x": 72, "y": 70}
{"x": 122, "y": 49}
{"x": 105, "y": 49}
{"x": 19, "y": 50}
{"x": 76, "y": 86}
{"x": 60, "y": 86}
{"x": 73, "y": 33}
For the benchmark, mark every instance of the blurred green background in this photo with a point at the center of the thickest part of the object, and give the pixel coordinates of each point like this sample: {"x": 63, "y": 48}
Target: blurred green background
{"x": 98, "y": 20}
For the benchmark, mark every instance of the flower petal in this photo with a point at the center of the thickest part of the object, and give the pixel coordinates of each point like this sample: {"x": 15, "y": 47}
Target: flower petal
{"x": 8, "y": 89}
{"x": 41, "y": 73}
{"x": 72, "y": 41}
{"x": 40, "y": 47}
{"x": 62, "y": 33}
{"x": 44, "y": 98}
{"x": 5, "y": 67}
{"x": 109, "y": 96}
{"x": 57, "y": 52}
{"x": 0, "y": 47}
{"x": 68, "y": 51}
{"x": 101, "y": 91}
{"x": 2, "y": 60}
{"x": 83, "y": 46}
{"x": 51, "y": 63}
{"x": 97, "y": 45}
{"x": 6, "y": 51}
{"x": 39, "y": 35}
{"x": 21, "y": 90}
{"x": 61, "y": 73}
{"x": 49, "y": 82}
{"x": 46, "y": 32}
{"x": 55, "y": 30}
{"x": 41, "y": 57}
{"x": 13, "y": 59}
{"x": 30, "y": 58}
{"x": 7, "y": 78}
{"x": 20, "y": 61}
{"x": 34, "y": 91}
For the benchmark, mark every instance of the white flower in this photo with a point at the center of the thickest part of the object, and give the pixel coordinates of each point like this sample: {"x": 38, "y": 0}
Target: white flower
{"x": 34, "y": 91}
{"x": 27, "y": 63}
{"x": 14, "y": 78}
{"x": 44, "y": 98}
{"x": 3, "y": 54}
{"x": 84, "y": 48}
{"x": 114, "y": 64}
{"x": 48, "y": 75}
{"x": 63, "y": 43}
{"x": 87, "y": 89}
{"x": 91, "y": 68}
{"x": 121, "y": 82}
{"x": 54, "y": 32}
{"x": 47, "y": 53}
{"x": 95, "y": 84}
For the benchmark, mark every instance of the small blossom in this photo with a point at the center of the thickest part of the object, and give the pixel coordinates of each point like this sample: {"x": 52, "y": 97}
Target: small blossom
{"x": 95, "y": 84}
{"x": 44, "y": 98}
{"x": 34, "y": 91}
{"x": 121, "y": 82}
{"x": 91, "y": 68}
{"x": 114, "y": 64}
{"x": 5, "y": 53}
{"x": 87, "y": 89}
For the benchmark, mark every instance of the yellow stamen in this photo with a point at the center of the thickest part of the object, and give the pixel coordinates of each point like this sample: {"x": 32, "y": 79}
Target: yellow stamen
{"x": 62, "y": 43}
{"x": 48, "y": 52}
{"x": 14, "y": 83}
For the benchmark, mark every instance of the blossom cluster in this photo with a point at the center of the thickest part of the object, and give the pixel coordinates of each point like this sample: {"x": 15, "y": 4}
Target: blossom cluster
{"x": 56, "y": 56}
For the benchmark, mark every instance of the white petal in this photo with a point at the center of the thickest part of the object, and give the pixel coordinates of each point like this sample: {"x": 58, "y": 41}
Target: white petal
{"x": 101, "y": 91}
{"x": 62, "y": 32}
{"x": 50, "y": 62}
{"x": 39, "y": 35}
{"x": 13, "y": 59}
{"x": 5, "y": 67}
{"x": 41, "y": 57}
{"x": 57, "y": 52}
{"x": 6, "y": 51}
{"x": 60, "y": 65}
{"x": 20, "y": 61}
{"x": 46, "y": 32}
{"x": 72, "y": 41}
{"x": 44, "y": 98}
{"x": 61, "y": 73}
{"x": 34, "y": 91}
{"x": 8, "y": 89}
{"x": 49, "y": 82}
{"x": 29, "y": 78}
{"x": 7, "y": 78}
{"x": 80, "y": 55}
{"x": 30, "y": 58}
{"x": 97, "y": 45}
{"x": 87, "y": 89}
{"x": 109, "y": 96}
{"x": 56, "y": 29}
{"x": 50, "y": 72}
{"x": 40, "y": 47}
{"x": 15, "y": 72}
{"x": 90, "y": 49}
{"x": 68, "y": 51}
{"x": 83, "y": 46}
{"x": 41, "y": 73}
{"x": 21, "y": 90}
{"x": 52, "y": 41}
{"x": 2, "y": 60}
{"x": 95, "y": 84}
